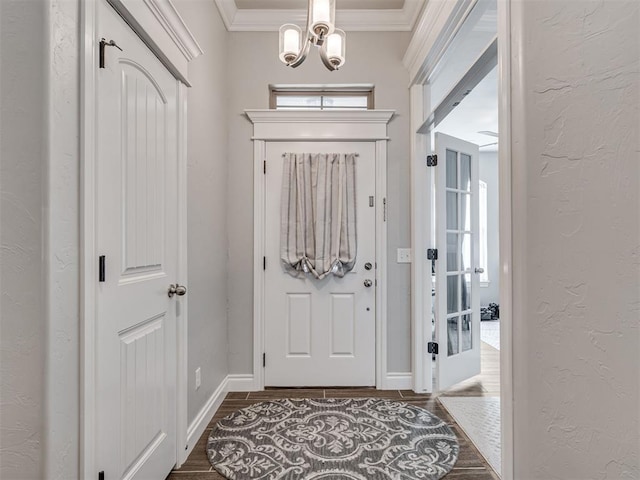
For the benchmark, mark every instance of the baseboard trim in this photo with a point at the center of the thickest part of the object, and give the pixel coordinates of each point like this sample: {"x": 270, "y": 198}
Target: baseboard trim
{"x": 206, "y": 413}
{"x": 399, "y": 381}
{"x": 241, "y": 382}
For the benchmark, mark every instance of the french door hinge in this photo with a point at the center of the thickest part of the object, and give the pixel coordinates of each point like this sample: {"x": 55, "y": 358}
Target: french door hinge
{"x": 432, "y": 254}
{"x": 432, "y": 160}
{"x": 264, "y": 360}
{"x": 264, "y": 263}
{"x": 101, "y": 475}
{"x": 101, "y": 269}
{"x": 432, "y": 347}
{"x": 384, "y": 209}
{"x": 264, "y": 167}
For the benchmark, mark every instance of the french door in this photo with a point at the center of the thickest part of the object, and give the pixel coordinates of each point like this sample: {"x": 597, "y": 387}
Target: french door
{"x": 457, "y": 309}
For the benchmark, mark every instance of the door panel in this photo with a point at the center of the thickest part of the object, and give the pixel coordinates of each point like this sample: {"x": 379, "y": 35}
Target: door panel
{"x": 299, "y": 324}
{"x": 136, "y": 218}
{"x": 320, "y": 332}
{"x": 144, "y": 110}
{"x": 457, "y": 283}
{"x": 342, "y": 323}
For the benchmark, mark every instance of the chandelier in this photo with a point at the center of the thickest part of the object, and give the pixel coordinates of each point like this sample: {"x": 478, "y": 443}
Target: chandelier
{"x": 321, "y": 32}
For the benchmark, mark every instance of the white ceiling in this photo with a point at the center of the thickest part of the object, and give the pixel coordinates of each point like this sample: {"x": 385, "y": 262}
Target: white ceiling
{"x": 476, "y": 113}
{"x": 340, "y": 5}
{"x": 351, "y": 15}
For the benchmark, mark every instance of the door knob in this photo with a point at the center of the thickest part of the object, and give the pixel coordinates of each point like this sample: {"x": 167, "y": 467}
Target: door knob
{"x": 479, "y": 270}
{"x": 368, "y": 283}
{"x": 176, "y": 289}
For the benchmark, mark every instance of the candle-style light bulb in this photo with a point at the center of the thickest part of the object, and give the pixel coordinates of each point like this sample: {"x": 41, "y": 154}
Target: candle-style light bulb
{"x": 322, "y": 19}
{"x": 336, "y": 48}
{"x": 321, "y": 11}
{"x": 289, "y": 42}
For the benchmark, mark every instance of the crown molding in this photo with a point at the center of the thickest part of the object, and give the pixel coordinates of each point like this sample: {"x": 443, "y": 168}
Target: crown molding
{"x": 176, "y": 28}
{"x": 320, "y": 125}
{"x": 379, "y": 20}
{"x": 160, "y": 26}
{"x": 320, "y": 116}
{"x": 433, "y": 30}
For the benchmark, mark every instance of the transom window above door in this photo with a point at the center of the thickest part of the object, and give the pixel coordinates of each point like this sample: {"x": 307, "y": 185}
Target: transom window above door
{"x": 321, "y": 97}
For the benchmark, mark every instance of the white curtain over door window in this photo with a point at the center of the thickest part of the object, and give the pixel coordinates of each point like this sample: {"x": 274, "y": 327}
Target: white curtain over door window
{"x": 318, "y": 214}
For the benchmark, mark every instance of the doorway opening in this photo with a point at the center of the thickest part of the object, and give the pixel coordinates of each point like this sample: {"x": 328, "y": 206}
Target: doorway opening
{"x": 475, "y": 402}
{"x": 455, "y": 100}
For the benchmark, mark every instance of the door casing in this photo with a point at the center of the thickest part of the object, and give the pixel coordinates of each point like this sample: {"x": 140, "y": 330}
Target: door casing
{"x": 318, "y": 126}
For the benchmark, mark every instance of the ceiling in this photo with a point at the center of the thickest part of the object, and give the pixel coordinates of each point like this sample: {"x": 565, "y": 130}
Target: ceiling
{"x": 478, "y": 112}
{"x": 341, "y": 4}
{"x": 351, "y": 15}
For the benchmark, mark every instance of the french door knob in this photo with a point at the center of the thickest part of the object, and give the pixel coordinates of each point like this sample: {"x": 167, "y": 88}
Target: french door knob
{"x": 176, "y": 289}
{"x": 368, "y": 283}
{"x": 479, "y": 270}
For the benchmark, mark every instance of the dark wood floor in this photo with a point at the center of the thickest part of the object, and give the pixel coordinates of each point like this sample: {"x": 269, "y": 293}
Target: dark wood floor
{"x": 470, "y": 465}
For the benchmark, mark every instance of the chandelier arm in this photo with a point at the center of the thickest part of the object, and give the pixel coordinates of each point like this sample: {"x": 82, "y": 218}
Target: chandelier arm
{"x": 301, "y": 57}
{"x": 325, "y": 59}
{"x": 309, "y": 8}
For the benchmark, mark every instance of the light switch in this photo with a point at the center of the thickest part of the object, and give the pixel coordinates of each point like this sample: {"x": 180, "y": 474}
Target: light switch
{"x": 404, "y": 255}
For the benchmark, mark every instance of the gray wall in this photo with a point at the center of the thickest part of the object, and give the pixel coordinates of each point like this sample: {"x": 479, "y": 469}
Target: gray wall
{"x": 23, "y": 150}
{"x": 489, "y": 175}
{"x": 207, "y": 202}
{"x": 576, "y": 239}
{"x": 371, "y": 58}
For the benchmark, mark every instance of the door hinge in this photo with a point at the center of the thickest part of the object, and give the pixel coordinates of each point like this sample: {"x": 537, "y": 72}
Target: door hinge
{"x": 432, "y": 160}
{"x": 264, "y": 360}
{"x": 384, "y": 209}
{"x": 264, "y": 263}
{"x": 101, "y": 475}
{"x": 432, "y": 347}
{"x": 264, "y": 167}
{"x": 101, "y": 269}
{"x": 432, "y": 254}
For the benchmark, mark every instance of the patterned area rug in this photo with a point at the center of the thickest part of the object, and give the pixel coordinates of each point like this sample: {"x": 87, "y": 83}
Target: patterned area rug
{"x": 479, "y": 417}
{"x": 331, "y": 439}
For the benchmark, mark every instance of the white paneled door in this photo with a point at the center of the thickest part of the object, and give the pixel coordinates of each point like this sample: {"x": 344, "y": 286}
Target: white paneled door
{"x": 321, "y": 332}
{"x": 137, "y": 208}
{"x": 457, "y": 269}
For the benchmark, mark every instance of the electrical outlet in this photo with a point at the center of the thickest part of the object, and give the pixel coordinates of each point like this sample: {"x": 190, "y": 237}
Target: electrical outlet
{"x": 404, "y": 255}
{"x": 198, "y": 378}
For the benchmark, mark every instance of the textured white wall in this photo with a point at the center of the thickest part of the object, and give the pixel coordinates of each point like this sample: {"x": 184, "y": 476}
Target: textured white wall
{"x": 207, "y": 202}
{"x": 62, "y": 242}
{"x": 371, "y": 58}
{"x": 23, "y": 149}
{"x": 576, "y": 239}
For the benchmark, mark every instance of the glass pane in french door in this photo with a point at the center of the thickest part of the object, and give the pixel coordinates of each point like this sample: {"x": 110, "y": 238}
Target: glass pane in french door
{"x": 459, "y": 251}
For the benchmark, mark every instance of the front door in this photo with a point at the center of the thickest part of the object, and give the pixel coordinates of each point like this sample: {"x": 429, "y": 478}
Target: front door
{"x": 136, "y": 233}
{"x": 457, "y": 272}
{"x": 321, "y": 332}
